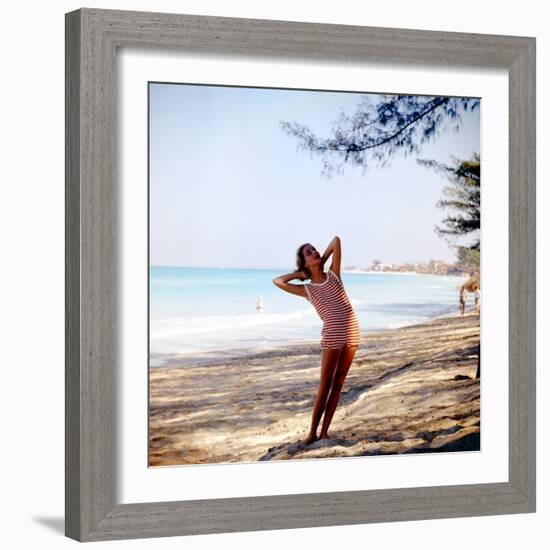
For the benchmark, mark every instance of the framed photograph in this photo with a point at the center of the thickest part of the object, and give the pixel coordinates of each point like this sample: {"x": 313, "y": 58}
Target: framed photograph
{"x": 277, "y": 234}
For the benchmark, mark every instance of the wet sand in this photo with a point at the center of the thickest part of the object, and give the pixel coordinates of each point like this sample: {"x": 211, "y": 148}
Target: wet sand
{"x": 409, "y": 390}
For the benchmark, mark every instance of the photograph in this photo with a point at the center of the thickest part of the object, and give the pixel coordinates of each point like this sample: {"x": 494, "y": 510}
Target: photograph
{"x": 314, "y": 274}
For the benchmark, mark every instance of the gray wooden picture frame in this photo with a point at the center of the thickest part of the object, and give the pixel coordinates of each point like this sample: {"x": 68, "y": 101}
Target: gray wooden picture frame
{"x": 92, "y": 39}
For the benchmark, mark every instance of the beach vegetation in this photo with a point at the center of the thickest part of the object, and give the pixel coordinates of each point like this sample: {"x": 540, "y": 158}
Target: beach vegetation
{"x": 462, "y": 200}
{"x": 468, "y": 258}
{"x": 380, "y": 128}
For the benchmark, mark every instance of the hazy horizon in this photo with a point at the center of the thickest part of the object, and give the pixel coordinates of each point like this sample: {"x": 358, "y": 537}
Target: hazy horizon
{"x": 277, "y": 268}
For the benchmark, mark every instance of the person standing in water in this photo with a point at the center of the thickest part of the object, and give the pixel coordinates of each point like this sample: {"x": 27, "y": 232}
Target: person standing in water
{"x": 476, "y": 298}
{"x": 462, "y": 299}
{"x": 340, "y": 332}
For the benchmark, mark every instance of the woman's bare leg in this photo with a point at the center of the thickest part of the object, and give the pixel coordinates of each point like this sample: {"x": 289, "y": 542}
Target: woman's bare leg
{"x": 329, "y": 362}
{"x": 340, "y": 374}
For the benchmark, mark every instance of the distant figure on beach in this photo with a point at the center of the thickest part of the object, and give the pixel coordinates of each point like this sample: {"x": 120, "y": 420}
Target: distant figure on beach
{"x": 476, "y": 298}
{"x": 260, "y": 303}
{"x": 462, "y": 299}
{"x": 340, "y": 332}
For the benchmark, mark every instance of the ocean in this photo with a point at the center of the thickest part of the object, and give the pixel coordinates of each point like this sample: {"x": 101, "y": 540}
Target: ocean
{"x": 201, "y": 313}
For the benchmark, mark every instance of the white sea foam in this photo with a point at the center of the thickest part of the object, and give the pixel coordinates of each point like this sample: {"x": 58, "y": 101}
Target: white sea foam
{"x": 214, "y": 324}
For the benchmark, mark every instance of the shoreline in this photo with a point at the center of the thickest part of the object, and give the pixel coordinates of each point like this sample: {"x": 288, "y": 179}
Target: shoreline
{"x": 410, "y": 389}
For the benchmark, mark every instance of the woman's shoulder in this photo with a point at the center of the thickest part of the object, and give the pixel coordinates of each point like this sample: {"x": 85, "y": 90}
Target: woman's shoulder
{"x": 337, "y": 277}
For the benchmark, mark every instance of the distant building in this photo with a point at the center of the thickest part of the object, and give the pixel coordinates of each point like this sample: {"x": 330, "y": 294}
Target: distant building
{"x": 433, "y": 267}
{"x": 382, "y": 267}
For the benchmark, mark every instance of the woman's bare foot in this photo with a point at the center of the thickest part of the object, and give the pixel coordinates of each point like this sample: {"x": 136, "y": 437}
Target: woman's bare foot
{"x": 310, "y": 439}
{"x": 324, "y": 436}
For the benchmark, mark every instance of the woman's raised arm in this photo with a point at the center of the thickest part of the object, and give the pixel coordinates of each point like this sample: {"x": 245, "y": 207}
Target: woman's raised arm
{"x": 283, "y": 284}
{"x": 334, "y": 248}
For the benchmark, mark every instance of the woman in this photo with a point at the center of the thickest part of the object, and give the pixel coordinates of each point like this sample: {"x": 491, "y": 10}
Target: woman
{"x": 340, "y": 333}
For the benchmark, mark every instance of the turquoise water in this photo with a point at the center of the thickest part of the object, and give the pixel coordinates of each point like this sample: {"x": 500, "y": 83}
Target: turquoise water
{"x": 196, "y": 313}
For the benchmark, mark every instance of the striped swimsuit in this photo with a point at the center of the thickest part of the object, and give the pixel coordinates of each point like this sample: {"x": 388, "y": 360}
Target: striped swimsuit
{"x": 340, "y": 324}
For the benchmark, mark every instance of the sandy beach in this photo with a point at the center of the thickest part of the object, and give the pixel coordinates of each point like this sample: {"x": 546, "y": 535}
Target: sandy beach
{"x": 409, "y": 390}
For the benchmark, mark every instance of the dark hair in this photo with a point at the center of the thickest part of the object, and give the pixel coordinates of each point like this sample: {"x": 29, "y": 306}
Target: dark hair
{"x": 301, "y": 260}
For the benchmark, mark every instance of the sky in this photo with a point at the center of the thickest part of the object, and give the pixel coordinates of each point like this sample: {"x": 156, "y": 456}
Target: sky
{"x": 229, "y": 188}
